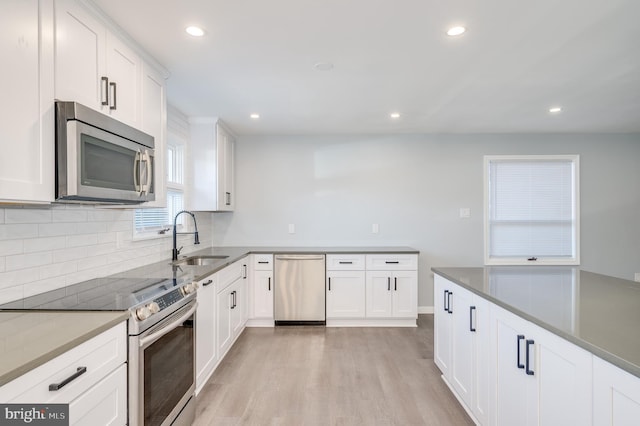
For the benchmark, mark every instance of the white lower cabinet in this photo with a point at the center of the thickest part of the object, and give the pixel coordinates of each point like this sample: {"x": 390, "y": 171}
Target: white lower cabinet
{"x": 231, "y": 301}
{"x": 261, "y": 290}
{"x": 391, "y": 294}
{"x": 616, "y": 395}
{"x": 97, "y": 389}
{"x": 539, "y": 378}
{"x": 345, "y": 294}
{"x": 206, "y": 330}
{"x": 461, "y": 344}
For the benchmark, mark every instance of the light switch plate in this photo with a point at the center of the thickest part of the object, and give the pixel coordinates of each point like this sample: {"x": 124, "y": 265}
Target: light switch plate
{"x": 375, "y": 228}
{"x": 637, "y": 276}
{"x": 465, "y": 212}
{"x": 292, "y": 228}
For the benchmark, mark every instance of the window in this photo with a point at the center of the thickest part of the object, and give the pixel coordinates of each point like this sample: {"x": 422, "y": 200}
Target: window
{"x": 531, "y": 210}
{"x": 157, "y": 221}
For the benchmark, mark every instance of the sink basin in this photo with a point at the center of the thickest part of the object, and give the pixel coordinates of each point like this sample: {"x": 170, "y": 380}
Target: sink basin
{"x": 199, "y": 260}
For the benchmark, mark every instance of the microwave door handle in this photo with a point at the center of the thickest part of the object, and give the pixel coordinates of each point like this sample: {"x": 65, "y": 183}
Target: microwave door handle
{"x": 136, "y": 171}
{"x": 149, "y": 165}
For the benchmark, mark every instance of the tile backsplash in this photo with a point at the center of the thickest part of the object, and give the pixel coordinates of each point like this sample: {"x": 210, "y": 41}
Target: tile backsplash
{"x": 43, "y": 249}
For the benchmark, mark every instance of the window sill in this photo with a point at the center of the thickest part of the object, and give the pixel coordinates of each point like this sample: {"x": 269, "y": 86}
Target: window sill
{"x": 143, "y": 236}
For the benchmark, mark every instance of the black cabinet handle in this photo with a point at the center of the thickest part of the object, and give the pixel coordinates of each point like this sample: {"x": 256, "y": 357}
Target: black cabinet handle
{"x": 115, "y": 89}
{"x": 471, "y": 327}
{"x": 388, "y": 283}
{"x": 244, "y": 271}
{"x": 518, "y": 363}
{"x": 56, "y": 386}
{"x": 233, "y": 299}
{"x": 391, "y": 262}
{"x": 329, "y": 283}
{"x": 269, "y": 288}
{"x": 449, "y": 304}
{"x": 446, "y": 298}
{"x": 228, "y": 197}
{"x": 263, "y": 262}
{"x": 345, "y": 263}
{"x": 206, "y": 283}
{"x": 395, "y": 283}
{"x": 529, "y": 371}
{"x": 105, "y": 87}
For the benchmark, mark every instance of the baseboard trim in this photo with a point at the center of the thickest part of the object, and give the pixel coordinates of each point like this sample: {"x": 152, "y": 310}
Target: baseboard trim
{"x": 425, "y": 309}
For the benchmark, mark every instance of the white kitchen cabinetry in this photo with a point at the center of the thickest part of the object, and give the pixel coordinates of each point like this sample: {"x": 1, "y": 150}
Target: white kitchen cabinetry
{"x": 616, "y": 395}
{"x": 461, "y": 344}
{"x": 345, "y": 286}
{"x": 261, "y": 290}
{"x": 391, "y": 286}
{"x": 212, "y": 165}
{"x": 93, "y": 66}
{"x": 537, "y": 377}
{"x": 230, "y": 306}
{"x": 27, "y": 114}
{"x": 97, "y": 391}
{"x": 206, "y": 330}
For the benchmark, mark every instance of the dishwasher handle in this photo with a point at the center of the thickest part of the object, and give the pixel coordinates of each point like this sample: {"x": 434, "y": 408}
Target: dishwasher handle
{"x": 300, "y": 257}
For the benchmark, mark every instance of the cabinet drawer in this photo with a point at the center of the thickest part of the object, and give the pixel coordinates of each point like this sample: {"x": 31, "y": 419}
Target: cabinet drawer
{"x": 345, "y": 262}
{"x": 229, "y": 274}
{"x": 103, "y": 404}
{"x": 391, "y": 262}
{"x": 263, "y": 262}
{"x": 99, "y": 355}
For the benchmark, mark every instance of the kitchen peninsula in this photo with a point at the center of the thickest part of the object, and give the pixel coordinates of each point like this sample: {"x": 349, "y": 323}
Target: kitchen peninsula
{"x": 556, "y": 339}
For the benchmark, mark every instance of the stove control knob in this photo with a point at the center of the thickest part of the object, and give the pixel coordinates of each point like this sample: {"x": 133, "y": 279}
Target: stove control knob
{"x": 153, "y": 308}
{"x": 143, "y": 313}
{"x": 188, "y": 289}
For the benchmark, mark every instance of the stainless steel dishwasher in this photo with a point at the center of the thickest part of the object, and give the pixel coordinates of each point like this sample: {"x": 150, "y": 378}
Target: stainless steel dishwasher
{"x": 299, "y": 289}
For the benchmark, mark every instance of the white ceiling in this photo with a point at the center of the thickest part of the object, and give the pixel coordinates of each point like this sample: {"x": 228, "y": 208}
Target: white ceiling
{"x": 518, "y": 58}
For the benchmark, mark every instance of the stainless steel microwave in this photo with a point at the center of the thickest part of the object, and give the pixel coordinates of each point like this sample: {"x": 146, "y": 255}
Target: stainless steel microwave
{"x": 99, "y": 159}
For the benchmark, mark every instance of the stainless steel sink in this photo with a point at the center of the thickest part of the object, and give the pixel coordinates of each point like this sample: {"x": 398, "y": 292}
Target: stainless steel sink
{"x": 199, "y": 260}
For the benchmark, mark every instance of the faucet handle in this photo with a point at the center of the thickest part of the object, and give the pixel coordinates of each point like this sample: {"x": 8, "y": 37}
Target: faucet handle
{"x": 179, "y": 250}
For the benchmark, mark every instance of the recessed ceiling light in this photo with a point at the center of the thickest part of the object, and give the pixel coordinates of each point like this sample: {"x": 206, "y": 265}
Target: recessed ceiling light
{"x": 456, "y": 31}
{"x": 394, "y": 115}
{"x": 195, "y": 31}
{"x": 555, "y": 110}
{"x": 255, "y": 116}
{"x": 323, "y": 66}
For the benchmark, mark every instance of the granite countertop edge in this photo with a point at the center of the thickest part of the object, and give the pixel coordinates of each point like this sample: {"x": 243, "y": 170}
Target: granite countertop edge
{"x": 47, "y": 354}
{"x": 595, "y": 350}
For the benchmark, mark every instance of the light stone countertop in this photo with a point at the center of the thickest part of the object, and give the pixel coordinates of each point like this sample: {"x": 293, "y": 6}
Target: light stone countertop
{"x": 29, "y": 339}
{"x": 597, "y": 312}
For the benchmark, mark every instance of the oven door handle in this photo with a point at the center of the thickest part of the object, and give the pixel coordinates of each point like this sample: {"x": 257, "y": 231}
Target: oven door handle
{"x": 174, "y": 324}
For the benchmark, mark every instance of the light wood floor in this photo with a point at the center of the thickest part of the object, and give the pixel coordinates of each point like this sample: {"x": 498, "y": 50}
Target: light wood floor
{"x": 330, "y": 376}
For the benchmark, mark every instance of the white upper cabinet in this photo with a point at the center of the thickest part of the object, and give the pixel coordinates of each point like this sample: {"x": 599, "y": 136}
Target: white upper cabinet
{"x": 27, "y": 115}
{"x": 212, "y": 166}
{"x": 95, "y": 66}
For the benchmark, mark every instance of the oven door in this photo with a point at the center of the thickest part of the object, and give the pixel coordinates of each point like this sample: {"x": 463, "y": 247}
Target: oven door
{"x": 104, "y": 166}
{"x": 163, "y": 383}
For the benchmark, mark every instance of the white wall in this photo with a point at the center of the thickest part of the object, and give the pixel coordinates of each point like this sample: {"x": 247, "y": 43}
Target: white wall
{"x": 333, "y": 188}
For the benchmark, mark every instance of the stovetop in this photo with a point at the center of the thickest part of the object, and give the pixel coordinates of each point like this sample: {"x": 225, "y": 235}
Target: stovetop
{"x": 100, "y": 294}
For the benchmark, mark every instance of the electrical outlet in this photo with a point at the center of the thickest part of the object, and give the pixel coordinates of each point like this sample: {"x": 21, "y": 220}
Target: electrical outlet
{"x": 375, "y": 228}
{"x": 292, "y": 228}
{"x": 637, "y": 276}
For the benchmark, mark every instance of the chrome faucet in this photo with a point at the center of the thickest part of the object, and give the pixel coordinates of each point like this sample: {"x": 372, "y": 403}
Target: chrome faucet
{"x": 176, "y": 251}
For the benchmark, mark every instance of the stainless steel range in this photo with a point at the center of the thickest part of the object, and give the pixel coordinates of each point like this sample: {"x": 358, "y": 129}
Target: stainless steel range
{"x": 161, "y": 339}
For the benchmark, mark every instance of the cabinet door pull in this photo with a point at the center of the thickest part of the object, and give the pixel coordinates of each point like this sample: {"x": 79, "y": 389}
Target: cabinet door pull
{"x": 228, "y": 198}
{"x": 232, "y": 300}
{"x": 449, "y": 304}
{"x": 471, "y": 327}
{"x": 446, "y": 298}
{"x": 329, "y": 279}
{"x": 395, "y": 283}
{"x": 105, "y": 90}
{"x": 244, "y": 271}
{"x": 391, "y": 262}
{"x": 57, "y": 386}
{"x": 113, "y": 105}
{"x": 269, "y": 286}
{"x": 529, "y": 371}
{"x": 263, "y": 262}
{"x": 518, "y": 363}
{"x": 388, "y": 283}
{"x": 206, "y": 283}
{"x": 345, "y": 262}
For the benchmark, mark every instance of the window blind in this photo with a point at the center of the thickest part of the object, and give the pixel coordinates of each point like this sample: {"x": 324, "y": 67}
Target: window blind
{"x": 532, "y": 208}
